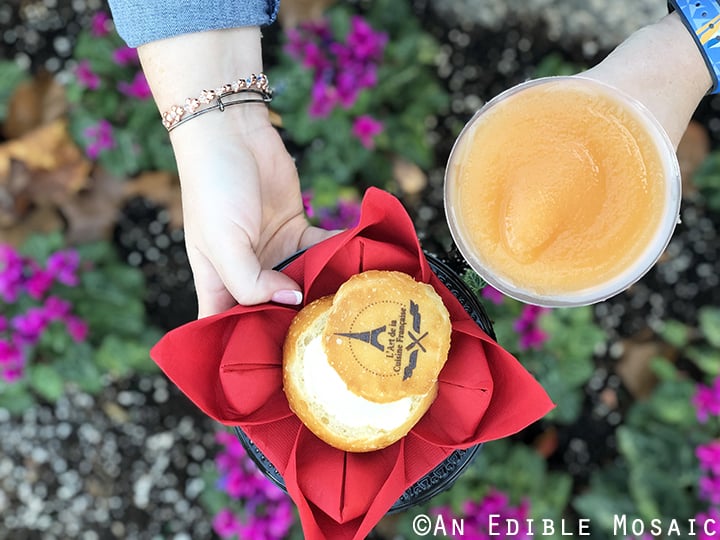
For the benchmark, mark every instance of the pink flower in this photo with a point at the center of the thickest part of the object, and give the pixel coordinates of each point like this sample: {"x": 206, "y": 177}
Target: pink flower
{"x": 125, "y": 56}
{"x": 11, "y": 273}
{"x": 708, "y": 524}
{"x": 707, "y": 400}
{"x": 3, "y": 324}
{"x": 100, "y": 138}
{"x": 709, "y": 456}
{"x": 531, "y": 336}
{"x": 56, "y": 308}
{"x": 38, "y": 283}
{"x": 710, "y": 489}
{"x": 365, "y": 43}
{"x": 307, "y": 204}
{"x": 226, "y": 524}
{"x": 30, "y": 325}
{"x": 100, "y": 24}
{"x": 76, "y": 327}
{"x": 491, "y": 293}
{"x": 344, "y": 216}
{"x": 366, "y": 128}
{"x": 63, "y": 266}
{"x": 323, "y": 98}
{"x": 86, "y": 76}
{"x": 138, "y": 88}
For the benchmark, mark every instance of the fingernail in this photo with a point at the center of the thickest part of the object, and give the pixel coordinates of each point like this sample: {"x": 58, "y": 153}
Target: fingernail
{"x": 289, "y": 297}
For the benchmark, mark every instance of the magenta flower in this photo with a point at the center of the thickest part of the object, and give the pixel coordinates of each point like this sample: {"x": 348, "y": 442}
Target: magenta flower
{"x": 138, "y": 88}
{"x": 38, "y": 284}
{"x": 11, "y": 273}
{"x": 710, "y": 489}
{"x": 4, "y": 325}
{"x": 56, "y": 308}
{"x": 707, "y": 400}
{"x": 366, "y": 128}
{"x": 29, "y": 325}
{"x": 100, "y": 24}
{"x": 365, "y": 43}
{"x": 486, "y": 519}
{"x": 708, "y": 525}
{"x": 76, "y": 327}
{"x": 323, "y": 99}
{"x": 63, "y": 266}
{"x": 125, "y": 56}
{"x": 340, "y": 69}
{"x": 226, "y": 524}
{"x": 531, "y": 336}
{"x": 344, "y": 216}
{"x": 709, "y": 456}
{"x": 267, "y": 511}
{"x": 307, "y": 204}
{"x": 100, "y": 137}
{"x": 86, "y": 76}
{"x": 491, "y": 293}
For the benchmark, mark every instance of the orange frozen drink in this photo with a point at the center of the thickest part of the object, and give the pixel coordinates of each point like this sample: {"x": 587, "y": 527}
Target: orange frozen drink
{"x": 561, "y": 191}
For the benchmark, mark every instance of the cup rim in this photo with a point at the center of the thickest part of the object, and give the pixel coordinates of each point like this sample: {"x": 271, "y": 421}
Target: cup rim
{"x": 609, "y": 288}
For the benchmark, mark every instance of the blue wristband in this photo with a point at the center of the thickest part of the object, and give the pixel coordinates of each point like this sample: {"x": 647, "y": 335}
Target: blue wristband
{"x": 702, "y": 19}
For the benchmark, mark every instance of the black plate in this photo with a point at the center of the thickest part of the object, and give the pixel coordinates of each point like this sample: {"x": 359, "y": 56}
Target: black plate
{"x": 444, "y": 475}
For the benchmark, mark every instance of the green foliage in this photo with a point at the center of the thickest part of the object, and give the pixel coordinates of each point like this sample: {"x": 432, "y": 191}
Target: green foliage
{"x": 707, "y": 180}
{"x": 140, "y": 142}
{"x": 406, "y": 96}
{"x": 109, "y": 298}
{"x": 11, "y": 75}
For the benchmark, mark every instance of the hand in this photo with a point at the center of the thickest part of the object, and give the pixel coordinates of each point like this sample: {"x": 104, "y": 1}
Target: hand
{"x": 242, "y": 208}
{"x": 242, "y": 205}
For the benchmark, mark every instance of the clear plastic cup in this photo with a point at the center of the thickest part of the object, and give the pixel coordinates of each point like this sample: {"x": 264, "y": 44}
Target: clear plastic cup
{"x": 568, "y": 251}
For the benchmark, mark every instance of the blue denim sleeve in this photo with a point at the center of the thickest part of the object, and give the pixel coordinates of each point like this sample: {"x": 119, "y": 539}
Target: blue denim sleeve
{"x": 141, "y": 21}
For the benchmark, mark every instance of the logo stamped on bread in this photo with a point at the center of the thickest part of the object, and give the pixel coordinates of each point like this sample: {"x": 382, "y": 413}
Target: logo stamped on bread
{"x": 399, "y": 340}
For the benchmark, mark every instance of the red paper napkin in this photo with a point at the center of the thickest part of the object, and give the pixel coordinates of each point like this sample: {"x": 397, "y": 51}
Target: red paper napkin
{"x": 230, "y": 366}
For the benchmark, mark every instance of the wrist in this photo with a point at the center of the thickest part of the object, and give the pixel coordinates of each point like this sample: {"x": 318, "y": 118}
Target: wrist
{"x": 661, "y": 67}
{"x": 182, "y": 66}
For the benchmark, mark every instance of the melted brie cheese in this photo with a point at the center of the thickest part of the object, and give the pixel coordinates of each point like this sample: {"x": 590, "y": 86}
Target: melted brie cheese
{"x": 325, "y": 387}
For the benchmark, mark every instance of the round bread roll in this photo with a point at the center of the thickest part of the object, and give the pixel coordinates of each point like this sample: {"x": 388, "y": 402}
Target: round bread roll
{"x": 337, "y": 406}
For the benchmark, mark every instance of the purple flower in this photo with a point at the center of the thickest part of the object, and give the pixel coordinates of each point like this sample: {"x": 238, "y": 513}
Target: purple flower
{"x": 709, "y": 456}
{"x": 323, "y": 98}
{"x": 307, "y": 204}
{"x": 710, "y": 489}
{"x": 100, "y": 137}
{"x": 56, "y": 308}
{"x": 125, "y": 56}
{"x": 100, "y": 24}
{"x": 366, "y": 128}
{"x": 226, "y": 524}
{"x": 86, "y": 76}
{"x": 11, "y": 273}
{"x": 30, "y": 325}
{"x": 344, "y": 216}
{"x": 38, "y": 283}
{"x": 708, "y": 524}
{"x": 707, "y": 400}
{"x": 365, "y": 43}
{"x": 63, "y": 266}
{"x": 138, "y": 88}
{"x": 76, "y": 327}
{"x": 491, "y": 293}
{"x": 3, "y": 324}
{"x": 531, "y": 336}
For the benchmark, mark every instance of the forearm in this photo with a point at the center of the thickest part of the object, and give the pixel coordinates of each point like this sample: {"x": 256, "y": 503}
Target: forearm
{"x": 661, "y": 67}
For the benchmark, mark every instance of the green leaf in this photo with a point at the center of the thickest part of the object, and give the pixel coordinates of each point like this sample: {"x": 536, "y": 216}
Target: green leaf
{"x": 78, "y": 366}
{"x": 11, "y": 75}
{"x": 40, "y": 246}
{"x": 46, "y": 381}
{"x": 15, "y": 397}
{"x": 121, "y": 357}
{"x": 706, "y": 358}
{"x": 709, "y": 319}
{"x": 675, "y": 333}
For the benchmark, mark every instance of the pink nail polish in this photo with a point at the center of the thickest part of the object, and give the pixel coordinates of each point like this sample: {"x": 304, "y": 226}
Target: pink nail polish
{"x": 289, "y": 297}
